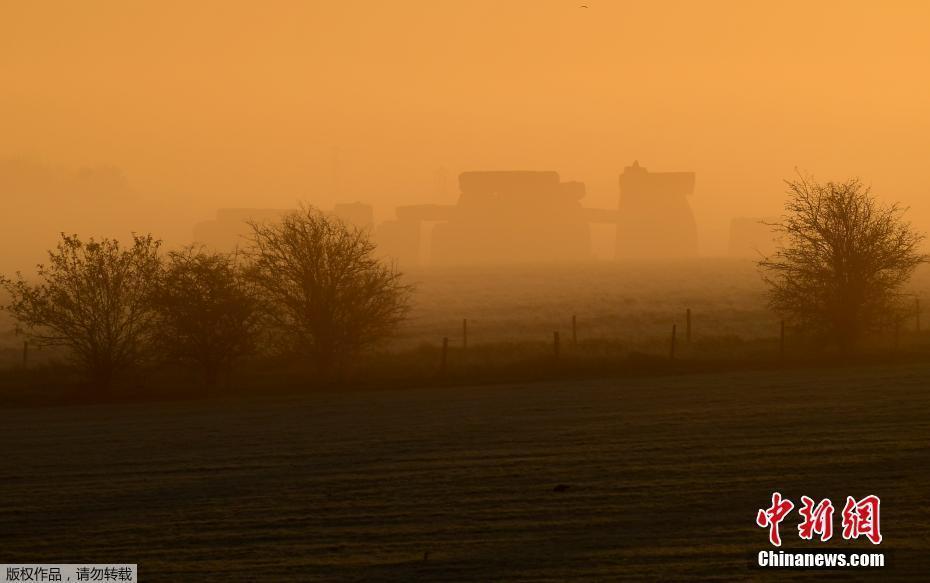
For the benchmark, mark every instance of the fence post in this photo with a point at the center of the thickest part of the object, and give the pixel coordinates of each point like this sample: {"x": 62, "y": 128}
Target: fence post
{"x": 688, "y": 325}
{"x": 917, "y": 312}
{"x": 555, "y": 344}
{"x": 671, "y": 347}
{"x": 25, "y": 354}
{"x": 781, "y": 342}
{"x": 574, "y": 331}
{"x": 445, "y": 354}
{"x": 464, "y": 332}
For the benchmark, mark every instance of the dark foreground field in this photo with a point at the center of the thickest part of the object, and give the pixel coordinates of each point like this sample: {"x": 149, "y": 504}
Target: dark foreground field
{"x": 664, "y": 478}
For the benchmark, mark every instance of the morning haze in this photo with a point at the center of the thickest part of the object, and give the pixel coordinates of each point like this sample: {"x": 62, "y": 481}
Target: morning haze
{"x": 179, "y": 110}
{"x": 471, "y": 290}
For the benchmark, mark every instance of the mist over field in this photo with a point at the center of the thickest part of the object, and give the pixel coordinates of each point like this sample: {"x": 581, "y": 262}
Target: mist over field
{"x": 534, "y": 290}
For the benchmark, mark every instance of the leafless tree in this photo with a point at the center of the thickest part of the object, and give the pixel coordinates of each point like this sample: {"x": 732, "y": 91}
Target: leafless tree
{"x": 333, "y": 297}
{"x": 207, "y": 313}
{"x": 842, "y": 260}
{"x": 92, "y": 297}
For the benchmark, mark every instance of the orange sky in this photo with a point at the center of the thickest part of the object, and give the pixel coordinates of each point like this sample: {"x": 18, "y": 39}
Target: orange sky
{"x": 208, "y": 104}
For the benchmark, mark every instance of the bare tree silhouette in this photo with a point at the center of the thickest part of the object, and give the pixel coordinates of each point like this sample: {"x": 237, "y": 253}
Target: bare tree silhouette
{"x": 841, "y": 262}
{"x": 208, "y": 313}
{"x": 93, "y": 299}
{"x": 331, "y": 295}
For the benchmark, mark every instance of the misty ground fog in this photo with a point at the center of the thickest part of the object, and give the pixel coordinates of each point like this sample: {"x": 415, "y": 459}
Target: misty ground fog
{"x": 593, "y": 380}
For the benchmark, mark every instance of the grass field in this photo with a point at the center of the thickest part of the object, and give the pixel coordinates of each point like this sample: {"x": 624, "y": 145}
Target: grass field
{"x": 635, "y": 302}
{"x": 664, "y": 478}
{"x": 629, "y": 301}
